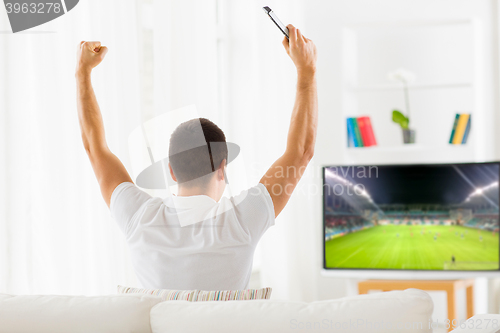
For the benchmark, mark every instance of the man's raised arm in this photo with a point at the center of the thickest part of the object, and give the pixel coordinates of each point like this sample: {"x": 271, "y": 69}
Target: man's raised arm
{"x": 283, "y": 176}
{"x": 108, "y": 169}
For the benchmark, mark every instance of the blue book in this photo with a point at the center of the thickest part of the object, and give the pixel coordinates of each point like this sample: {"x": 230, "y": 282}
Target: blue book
{"x": 350, "y": 134}
{"x": 351, "y": 128}
{"x": 467, "y": 130}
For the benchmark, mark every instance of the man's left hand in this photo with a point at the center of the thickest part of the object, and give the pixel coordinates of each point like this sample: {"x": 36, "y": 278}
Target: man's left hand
{"x": 89, "y": 55}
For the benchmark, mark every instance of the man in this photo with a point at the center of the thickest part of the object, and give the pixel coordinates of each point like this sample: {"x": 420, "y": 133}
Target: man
{"x": 211, "y": 247}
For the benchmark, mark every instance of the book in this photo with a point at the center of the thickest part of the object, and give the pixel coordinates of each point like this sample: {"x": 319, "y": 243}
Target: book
{"x": 350, "y": 133}
{"x": 366, "y": 129}
{"x": 453, "y": 130}
{"x": 461, "y": 126}
{"x": 371, "y": 133}
{"x": 357, "y": 133}
{"x": 362, "y": 130}
{"x": 467, "y": 130}
{"x": 350, "y": 128}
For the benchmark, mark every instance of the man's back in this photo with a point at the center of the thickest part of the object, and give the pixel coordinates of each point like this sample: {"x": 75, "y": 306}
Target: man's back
{"x": 192, "y": 242}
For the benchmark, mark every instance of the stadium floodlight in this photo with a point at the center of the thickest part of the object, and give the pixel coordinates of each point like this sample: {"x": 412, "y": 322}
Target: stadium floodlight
{"x": 333, "y": 175}
{"x": 480, "y": 191}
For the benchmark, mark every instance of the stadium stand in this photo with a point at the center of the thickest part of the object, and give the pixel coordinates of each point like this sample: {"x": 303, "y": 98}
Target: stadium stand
{"x": 336, "y": 226}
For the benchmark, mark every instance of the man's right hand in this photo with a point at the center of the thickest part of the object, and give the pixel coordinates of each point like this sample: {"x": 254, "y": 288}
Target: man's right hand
{"x": 303, "y": 125}
{"x": 301, "y": 49}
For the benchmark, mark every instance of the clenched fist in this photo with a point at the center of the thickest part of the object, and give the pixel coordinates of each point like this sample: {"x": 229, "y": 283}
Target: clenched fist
{"x": 301, "y": 49}
{"x": 89, "y": 55}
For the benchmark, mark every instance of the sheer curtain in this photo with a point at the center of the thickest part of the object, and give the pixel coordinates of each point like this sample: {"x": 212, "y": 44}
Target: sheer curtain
{"x": 56, "y": 234}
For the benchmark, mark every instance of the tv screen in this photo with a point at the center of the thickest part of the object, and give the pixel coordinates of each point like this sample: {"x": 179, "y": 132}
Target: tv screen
{"x": 412, "y": 217}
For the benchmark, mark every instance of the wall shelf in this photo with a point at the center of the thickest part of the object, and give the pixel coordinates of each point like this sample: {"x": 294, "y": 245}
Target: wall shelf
{"x": 409, "y": 154}
{"x": 406, "y": 148}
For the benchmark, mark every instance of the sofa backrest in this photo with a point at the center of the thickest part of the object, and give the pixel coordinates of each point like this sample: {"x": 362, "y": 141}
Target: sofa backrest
{"x": 395, "y": 311}
{"x": 481, "y": 323}
{"x": 63, "y": 314}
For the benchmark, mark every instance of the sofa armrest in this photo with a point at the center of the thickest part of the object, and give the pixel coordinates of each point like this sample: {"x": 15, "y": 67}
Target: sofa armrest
{"x": 484, "y": 323}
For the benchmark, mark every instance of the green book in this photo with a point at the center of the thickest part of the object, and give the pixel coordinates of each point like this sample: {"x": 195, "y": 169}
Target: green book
{"x": 357, "y": 132}
{"x": 453, "y": 130}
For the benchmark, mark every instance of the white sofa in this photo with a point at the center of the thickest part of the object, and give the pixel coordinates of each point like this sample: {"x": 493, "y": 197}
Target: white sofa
{"x": 483, "y": 323}
{"x": 395, "y": 311}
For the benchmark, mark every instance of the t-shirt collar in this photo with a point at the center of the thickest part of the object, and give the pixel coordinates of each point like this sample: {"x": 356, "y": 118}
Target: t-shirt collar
{"x": 191, "y": 209}
{"x": 189, "y": 202}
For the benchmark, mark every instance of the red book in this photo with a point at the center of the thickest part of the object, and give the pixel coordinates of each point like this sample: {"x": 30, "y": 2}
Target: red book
{"x": 366, "y": 129}
{"x": 364, "y": 132}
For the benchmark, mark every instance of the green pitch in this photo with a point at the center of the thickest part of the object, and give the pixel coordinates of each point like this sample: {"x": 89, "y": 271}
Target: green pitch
{"x": 380, "y": 247}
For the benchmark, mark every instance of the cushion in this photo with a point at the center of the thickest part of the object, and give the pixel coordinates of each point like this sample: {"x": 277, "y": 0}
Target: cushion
{"x": 63, "y": 314}
{"x": 200, "y": 295}
{"x": 394, "y": 311}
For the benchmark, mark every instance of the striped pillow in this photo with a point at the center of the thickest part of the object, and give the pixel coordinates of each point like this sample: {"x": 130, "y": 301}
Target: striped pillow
{"x": 200, "y": 295}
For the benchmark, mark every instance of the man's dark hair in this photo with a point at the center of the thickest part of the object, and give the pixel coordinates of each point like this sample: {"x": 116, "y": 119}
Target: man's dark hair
{"x": 190, "y": 160}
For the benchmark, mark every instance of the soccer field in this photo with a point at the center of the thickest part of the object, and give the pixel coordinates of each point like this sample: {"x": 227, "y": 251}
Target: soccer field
{"x": 380, "y": 247}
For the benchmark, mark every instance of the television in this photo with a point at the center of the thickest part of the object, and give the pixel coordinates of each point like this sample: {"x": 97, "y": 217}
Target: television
{"x": 414, "y": 221}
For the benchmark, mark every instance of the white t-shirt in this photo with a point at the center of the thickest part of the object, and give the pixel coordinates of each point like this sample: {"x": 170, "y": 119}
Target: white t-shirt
{"x": 192, "y": 242}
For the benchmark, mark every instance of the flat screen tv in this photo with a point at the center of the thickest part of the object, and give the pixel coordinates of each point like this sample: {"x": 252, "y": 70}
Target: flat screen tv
{"x": 400, "y": 219}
